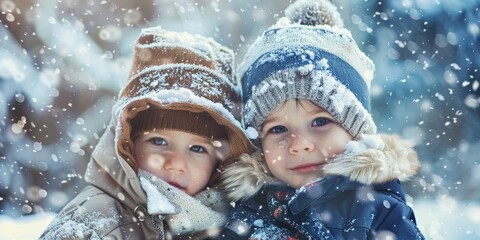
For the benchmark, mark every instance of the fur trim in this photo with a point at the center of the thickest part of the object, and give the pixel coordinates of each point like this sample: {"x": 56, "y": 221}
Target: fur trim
{"x": 397, "y": 159}
{"x": 245, "y": 177}
{"x": 375, "y": 159}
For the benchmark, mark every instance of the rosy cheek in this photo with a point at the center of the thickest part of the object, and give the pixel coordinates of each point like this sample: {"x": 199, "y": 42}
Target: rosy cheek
{"x": 153, "y": 162}
{"x": 331, "y": 153}
{"x": 272, "y": 157}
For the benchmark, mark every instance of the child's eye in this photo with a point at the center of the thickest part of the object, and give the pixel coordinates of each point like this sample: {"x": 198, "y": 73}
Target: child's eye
{"x": 158, "y": 141}
{"x": 198, "y": 149}
{"x": 278, "y": 129}
{"x": 318, "y": 122}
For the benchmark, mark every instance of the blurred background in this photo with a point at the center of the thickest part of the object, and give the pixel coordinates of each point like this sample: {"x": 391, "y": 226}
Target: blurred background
{"x": 62, "y": 63}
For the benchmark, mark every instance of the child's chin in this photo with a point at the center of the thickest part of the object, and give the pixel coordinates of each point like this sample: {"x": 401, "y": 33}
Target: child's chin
{"x": 308, "y": 181}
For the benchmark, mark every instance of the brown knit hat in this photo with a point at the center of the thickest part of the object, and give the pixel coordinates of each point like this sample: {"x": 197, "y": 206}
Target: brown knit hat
{"x": 188, "y": 75}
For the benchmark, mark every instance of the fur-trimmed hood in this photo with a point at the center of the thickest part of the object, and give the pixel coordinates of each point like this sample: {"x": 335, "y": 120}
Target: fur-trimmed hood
{"x": 372, "y": 159}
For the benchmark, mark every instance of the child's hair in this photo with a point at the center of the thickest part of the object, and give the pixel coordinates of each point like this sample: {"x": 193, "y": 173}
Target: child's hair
{"x": 308, "y": 55}
{"x": 184, "y": 82}
{"x": 201, "y": 124}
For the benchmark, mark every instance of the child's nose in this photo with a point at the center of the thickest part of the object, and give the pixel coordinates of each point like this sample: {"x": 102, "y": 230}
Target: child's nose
{"x": 175, "y": 162}
{"x": 300, "y": 144}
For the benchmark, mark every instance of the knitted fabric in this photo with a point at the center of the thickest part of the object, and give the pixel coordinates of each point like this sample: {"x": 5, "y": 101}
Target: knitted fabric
{"x": 201, "y": 124}
{"x": 184, "y": 72}
{"x": 309, "y": 56}
{"x": 183, "y": 213}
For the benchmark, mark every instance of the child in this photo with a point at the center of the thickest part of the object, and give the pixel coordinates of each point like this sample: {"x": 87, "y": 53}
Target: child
{"x": 152, "y": 174}
{"x": 322, "y": 171}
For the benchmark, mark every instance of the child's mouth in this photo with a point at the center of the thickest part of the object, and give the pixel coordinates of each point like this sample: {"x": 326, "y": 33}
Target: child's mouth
{"x": 307, "y": 168}
{"x": 176, "y": 185}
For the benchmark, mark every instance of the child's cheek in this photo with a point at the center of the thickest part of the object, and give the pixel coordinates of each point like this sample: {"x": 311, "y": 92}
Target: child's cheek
{"x": 276, "y": 159}
{"x": 324, "y": 153}
{"x": 153, "y": 162}
{"x": 282, "y": 143}
{"x": 271, "y": 156}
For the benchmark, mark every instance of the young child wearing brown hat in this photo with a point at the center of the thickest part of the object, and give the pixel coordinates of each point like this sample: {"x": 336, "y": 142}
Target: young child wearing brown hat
{"x": 153, "y": 174}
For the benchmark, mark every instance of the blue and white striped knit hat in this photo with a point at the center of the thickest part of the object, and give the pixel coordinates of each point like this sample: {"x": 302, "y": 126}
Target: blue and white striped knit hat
{"x": 308, "y": 55}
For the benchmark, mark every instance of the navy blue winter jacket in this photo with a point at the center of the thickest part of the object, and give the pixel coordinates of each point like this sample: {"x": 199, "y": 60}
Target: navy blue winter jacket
{"x": 360, "y": 198}
{"x": 332, "y": 208}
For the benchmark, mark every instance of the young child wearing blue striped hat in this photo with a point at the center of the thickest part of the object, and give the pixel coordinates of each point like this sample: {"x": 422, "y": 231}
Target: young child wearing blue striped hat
{"x": 321, "y": 170}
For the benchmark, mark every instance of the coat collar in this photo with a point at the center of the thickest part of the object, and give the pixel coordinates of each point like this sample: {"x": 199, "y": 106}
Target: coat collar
{"x": 108, "y": 171}
{"x": 369, "y": 164}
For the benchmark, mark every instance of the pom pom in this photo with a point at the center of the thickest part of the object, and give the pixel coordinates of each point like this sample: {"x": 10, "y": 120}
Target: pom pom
{"x": 314, "y": 12}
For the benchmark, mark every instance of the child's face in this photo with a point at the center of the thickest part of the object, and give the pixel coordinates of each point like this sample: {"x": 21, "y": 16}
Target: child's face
{"x": 184, "y": 160}
{"x": 298, "y": 139}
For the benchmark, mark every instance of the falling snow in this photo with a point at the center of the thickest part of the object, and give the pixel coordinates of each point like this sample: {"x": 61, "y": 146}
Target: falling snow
{"x": 63, "y": 62}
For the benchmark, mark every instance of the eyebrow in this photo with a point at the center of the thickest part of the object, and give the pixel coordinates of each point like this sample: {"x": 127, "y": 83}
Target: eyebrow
{"x": 317, "y": 111}
{"x": 202, "y": 140}
{"x": 269, "y": 120}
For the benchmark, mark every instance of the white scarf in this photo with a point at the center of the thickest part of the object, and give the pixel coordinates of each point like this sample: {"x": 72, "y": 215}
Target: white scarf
{"x": 184, "y": 213}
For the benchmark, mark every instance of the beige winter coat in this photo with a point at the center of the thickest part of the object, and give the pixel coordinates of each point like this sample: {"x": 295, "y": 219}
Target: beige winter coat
{"x": 171, "y": 70}
{"x": 113, "y": 205}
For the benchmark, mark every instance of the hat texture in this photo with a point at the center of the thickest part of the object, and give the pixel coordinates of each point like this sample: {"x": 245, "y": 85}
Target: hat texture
{"x": 201, "y": 124}
{"x": 308, "y": 55}
{"x": 181, "y": 81}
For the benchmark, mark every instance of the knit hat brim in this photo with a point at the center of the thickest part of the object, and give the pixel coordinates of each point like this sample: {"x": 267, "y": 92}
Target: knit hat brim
{"x": 235, "y": 144}
{"x": 309, "y": 73}
{"x": 200, "y": 124}
{"x": 319, "y": 87}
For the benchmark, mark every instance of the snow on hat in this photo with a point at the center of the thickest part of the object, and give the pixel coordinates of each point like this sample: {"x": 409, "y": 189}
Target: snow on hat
{"x": 182, "y": 72}
{"x": 308, "y": 55}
